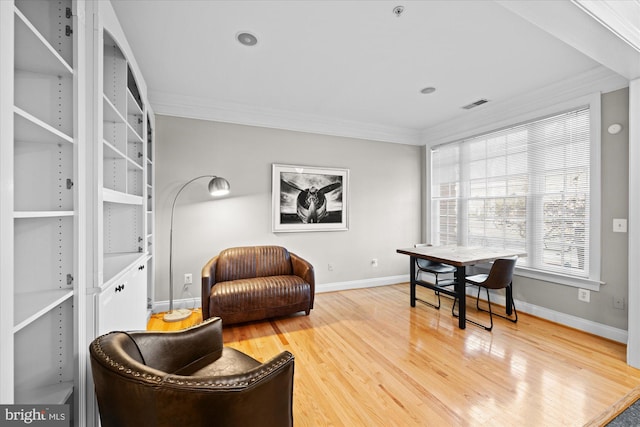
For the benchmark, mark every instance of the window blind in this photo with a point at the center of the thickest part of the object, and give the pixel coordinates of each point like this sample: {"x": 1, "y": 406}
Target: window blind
{"x": 526, "y": 187}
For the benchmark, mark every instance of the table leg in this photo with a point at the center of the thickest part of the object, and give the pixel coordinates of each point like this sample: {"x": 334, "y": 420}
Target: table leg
{"x": 509, "y": 299}
{"x": 460, "y": 287}
{"x": 412, "y": 280}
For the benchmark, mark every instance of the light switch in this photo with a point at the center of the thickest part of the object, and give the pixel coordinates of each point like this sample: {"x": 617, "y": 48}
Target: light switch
{"x": 619, "y": 225}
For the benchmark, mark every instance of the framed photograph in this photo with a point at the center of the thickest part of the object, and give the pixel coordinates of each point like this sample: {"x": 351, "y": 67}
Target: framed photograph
{"x": 308, "y": 198}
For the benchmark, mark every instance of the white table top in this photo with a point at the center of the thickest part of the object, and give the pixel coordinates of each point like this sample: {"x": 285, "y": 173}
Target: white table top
{"x": 460, "y": 255}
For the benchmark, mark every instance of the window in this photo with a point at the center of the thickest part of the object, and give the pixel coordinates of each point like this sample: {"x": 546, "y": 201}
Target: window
{"x": 526, "y": 187}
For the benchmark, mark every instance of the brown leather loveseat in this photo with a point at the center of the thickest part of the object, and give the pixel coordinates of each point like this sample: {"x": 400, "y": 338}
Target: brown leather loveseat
{"x": 256, "y": 282}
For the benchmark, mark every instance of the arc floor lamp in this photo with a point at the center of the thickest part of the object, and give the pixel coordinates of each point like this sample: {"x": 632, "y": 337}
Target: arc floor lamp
{"x": 218, "y": 186}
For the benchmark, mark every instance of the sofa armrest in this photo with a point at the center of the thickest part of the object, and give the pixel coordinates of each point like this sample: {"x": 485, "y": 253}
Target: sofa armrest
{"x": 304, "y": 269}
{"x": 208, "y": 281}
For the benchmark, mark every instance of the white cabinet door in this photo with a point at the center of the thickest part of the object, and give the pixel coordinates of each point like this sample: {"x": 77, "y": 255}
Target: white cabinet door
{"x": 122, "y": 306}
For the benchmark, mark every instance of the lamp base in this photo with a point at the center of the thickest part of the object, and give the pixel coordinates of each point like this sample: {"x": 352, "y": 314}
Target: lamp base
{"x": 177, "y": 315}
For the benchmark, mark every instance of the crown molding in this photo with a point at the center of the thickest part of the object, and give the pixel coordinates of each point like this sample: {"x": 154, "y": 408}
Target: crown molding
{"x": 599, "y": 79}
{"x": 620, "y": 17}
{"x": 172, "y": 104}
{"x": 591, "y": 27}
{"x": 502, "y": 113}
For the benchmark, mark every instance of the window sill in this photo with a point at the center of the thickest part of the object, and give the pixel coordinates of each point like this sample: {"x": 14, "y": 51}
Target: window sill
{"x": 561, "y": 279}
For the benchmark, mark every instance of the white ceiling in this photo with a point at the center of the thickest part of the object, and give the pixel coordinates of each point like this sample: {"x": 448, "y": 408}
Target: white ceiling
{"x": 342, "y": 63}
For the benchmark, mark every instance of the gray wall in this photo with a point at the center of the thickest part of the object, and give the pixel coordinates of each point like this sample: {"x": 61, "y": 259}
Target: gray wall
{"x": 386, "y": 188}
{"x": 614, "y": 248}
{"x": 385, "y": 199}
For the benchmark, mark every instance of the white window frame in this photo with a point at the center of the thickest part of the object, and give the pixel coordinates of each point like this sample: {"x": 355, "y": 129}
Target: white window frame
{"x": 593, "y": 103}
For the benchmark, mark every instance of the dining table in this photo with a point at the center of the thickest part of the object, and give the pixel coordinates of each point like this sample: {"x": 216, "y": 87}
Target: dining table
{"x": 460, "y": 257}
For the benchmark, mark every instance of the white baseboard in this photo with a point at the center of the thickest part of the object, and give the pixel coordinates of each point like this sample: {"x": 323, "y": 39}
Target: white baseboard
{"x": 599, "y": 329}
{"x": 191, "y": 303}
{"x": 160, "y": 306}
{"x": 605, "y": 331}
{"x": 359, "y": 284}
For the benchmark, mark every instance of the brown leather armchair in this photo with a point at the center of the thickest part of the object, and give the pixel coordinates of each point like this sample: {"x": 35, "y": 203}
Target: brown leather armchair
{"x": 187, "y": 378}
{"x": 256, "y": 282}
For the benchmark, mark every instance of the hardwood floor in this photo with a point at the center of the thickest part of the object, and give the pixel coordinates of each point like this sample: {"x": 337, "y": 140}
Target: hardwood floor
{"x": 156, "y": 323}
{"x": 366, "y": 358}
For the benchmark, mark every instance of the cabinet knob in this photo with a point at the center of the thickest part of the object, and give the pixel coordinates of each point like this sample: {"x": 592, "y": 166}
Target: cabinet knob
{"x": 141, "y": 267}
{"x": 120, "y": 288}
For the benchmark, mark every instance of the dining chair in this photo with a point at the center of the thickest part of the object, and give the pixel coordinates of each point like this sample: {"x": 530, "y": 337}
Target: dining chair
{"x": 435, "y": 269}
{"x": 500, "y": 277}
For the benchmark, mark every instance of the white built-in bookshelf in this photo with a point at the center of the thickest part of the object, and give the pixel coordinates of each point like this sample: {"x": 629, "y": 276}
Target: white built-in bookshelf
{"x": 41, "y": 278}
{"x": 76, "y": 207}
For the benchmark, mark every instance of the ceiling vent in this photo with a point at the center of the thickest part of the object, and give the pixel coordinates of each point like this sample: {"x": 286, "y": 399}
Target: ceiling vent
{"x": 475, "y": 104}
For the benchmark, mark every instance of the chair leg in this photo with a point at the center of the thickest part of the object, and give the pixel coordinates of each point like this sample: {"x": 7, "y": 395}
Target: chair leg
{"x": 488, "y": 328}
{"x": 480, "y": 309}
{"x": 455, "y": 300}
{"x": 490, "y": 312}
{"x": 511, "y": 302}
{"x": 437, "y": 307}
{"x": 513, "y": 306}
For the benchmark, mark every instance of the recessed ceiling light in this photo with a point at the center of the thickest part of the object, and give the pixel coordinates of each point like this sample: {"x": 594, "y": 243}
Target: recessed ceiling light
{"x": 428, "y": 90}
{"x": 247, "y": 39}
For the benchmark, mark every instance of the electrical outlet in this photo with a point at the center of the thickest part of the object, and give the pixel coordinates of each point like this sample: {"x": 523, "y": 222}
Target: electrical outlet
{"x": 618, "y": 302}
{"x": 330, "y": 267}
{"x": 619, "y": 225}
{"x": 374, "y": 262}
{"x": 188, "y": 278}
{"x": 186, "y": 291}
{"x": 584, "y": 295}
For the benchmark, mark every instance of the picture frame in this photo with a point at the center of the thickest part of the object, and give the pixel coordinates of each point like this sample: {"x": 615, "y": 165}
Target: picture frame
{"x": 309, "y": 198}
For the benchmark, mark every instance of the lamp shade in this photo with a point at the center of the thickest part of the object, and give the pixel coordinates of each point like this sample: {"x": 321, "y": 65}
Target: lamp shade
{"x": 219, "y": 186}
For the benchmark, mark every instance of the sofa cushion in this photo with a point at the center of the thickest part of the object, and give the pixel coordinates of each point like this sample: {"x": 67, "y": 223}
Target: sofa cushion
{"x": 252, "y": 261}
{"x": 229, "y": 362}
{"x": 258, "y": 298}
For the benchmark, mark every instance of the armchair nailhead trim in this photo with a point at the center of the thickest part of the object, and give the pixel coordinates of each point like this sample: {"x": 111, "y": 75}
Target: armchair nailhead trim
{"x": 120, "y": 367}
{"x": 237, "y": 384}
{"x": 275, "y": 365}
